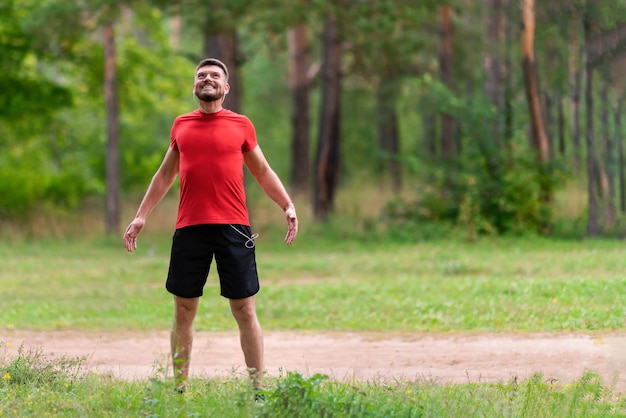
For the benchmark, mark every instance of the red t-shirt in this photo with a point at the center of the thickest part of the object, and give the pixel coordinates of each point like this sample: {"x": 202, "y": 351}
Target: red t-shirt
{"x": 211, "y": 147}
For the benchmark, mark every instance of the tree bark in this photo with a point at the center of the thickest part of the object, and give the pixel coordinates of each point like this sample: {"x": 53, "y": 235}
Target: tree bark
{"x": 549, "y": 119}
{"x": 607, "y": 181}
{"x": 593, "y": 220}
{"x": 576, "y": 116}
{"x": 606, "y": 46}
{"x": 429, "y": 135}
{"x": 448, "y": 149}
{"x": 300, "y": 85}
{"x": 388, "y": 130}
{"x": 531, "y": 82}
{"x": 575, "y": 73}
{"x": 562, "y": 147}
{"x": 617, "y": 117}
{"x": 113, "y": 211}
{"x": 509, "y": 74}
{"x": 493, "y": 61}
{"x": 328, "y": 151}
{"x": 225, "y": 47}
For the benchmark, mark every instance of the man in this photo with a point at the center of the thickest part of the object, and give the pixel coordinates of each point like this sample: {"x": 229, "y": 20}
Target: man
{"x": 208, "y": 148}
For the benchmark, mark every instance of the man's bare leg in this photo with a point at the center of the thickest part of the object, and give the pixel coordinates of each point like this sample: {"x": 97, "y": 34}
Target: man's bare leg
{"x": 251, "y": 337}
{"x": 181, "y": 338}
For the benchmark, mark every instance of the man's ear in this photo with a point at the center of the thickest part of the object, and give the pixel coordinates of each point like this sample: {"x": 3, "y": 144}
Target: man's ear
{"x": 226, "y": 89}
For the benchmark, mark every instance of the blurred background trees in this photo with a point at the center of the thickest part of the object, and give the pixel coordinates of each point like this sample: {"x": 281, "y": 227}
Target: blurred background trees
{"x": 472, "y": 114}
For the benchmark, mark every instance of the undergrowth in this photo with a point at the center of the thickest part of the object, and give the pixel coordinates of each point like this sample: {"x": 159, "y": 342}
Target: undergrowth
{"x": 34, "y": 385}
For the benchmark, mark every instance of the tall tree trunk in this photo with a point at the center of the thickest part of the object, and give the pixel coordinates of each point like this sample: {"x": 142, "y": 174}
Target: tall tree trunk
{"x": 328, "y": 150}
{"x": 387, "y": 122}
{"x": 509, "y": 75}
{"x": 562, "y": 148}
{"x": 531, "y": 82}
{"x": 549, "y": 121}
{"x": 575, "y": 114}
{"x": 113, "y": 211}
{"x": 593, "y": 219}
{"x": 493, "y": 56}
{"x": 429, "y": 135}
{"x": 448, "y": 127}
{"x": 225, "y": 47}
{"x": 300, "y": 85}
{"x": 619, "y": 139}
{"x": 575, "y": 77}
{"x": 607, "y": 182}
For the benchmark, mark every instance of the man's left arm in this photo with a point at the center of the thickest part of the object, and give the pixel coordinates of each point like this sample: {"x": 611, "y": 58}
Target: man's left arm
{"x": 274, "y": 188}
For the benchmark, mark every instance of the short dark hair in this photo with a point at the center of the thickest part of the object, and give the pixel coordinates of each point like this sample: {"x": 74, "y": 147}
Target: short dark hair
{"x": 213, "y": 61}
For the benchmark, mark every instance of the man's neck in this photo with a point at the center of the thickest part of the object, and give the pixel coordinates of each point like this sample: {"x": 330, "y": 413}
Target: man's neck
{"x": 210, "y": 107}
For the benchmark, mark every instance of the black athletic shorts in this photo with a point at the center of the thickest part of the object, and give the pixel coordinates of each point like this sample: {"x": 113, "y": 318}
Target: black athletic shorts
{"x": 193, "y": 248}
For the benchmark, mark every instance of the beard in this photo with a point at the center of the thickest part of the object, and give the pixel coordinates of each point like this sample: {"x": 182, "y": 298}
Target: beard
{"x": 209, "y": 97}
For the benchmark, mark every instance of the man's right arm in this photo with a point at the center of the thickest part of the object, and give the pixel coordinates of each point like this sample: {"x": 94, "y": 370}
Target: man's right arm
{"x": 160, "y": 184}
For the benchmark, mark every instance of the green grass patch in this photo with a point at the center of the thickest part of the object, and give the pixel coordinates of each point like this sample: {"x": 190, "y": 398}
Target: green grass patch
{"x": 500, "y": 284}
{"x": 529, "y": 284}
{"x": 33, "y": 385}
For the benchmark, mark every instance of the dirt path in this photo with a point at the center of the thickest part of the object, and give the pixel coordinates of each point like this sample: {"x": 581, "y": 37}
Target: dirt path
{"x": 455, "y": 358}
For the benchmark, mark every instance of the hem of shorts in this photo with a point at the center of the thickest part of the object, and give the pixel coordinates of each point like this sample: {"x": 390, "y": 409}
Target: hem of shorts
{"x": 241, "y": 297}
{"x": 185, "y": 296}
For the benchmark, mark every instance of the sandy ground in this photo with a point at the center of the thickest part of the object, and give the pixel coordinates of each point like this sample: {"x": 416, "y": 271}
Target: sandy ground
{"x": 443, "y": 358}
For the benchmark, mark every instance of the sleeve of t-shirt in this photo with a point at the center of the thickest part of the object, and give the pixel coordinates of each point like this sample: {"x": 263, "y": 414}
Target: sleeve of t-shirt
{"x": 173, "y": 144}
{"x": 250, "y": 141}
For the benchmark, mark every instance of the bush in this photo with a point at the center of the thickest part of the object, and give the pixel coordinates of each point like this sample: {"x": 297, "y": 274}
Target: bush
{"x": 32, "y": 367}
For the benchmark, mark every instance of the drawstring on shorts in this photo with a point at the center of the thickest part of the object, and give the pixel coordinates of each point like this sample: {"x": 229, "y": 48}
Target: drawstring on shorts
{"x": 249, "y": 239}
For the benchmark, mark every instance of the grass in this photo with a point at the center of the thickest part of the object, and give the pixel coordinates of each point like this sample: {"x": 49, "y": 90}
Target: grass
{"x": 503, "y": 284}
{"x": 529, "y": 284}
{"x": 337, "y": 276}
{"x": 36, "y": 386}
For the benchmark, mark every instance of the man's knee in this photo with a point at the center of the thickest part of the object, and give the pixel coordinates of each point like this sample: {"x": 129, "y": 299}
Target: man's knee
{"x": 243, "y": 309}
{"x": 186, "y": 309}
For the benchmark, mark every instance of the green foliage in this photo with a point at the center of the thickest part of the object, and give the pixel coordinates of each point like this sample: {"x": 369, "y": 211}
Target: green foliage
{"x": 33, "y": 96}
{"x": 51, "y": 100}
{"x": 384, "y": 36}
{"x": 19, "y": 190}
{"x": 490, "y": 188}
{"x": 55, "y": 29}
{"x": 49, "y": 167}
{"x": 54, "y": 134}
{"x": 151, "y": 96}
{"x": 29, "y": 181}
{"x": 274, "y": 16}
{"x": 21, "y": 97}
{"x": 508, "y": 200}
{"x": 271, "y": 119}
{"x": 34, "y": 385}
{"x": 33, "y": 368}
{"x": 296, "y": 395}
{"x": 24, "y": 91}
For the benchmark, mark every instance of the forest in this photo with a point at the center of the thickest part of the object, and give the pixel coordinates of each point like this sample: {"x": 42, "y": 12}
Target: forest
{"x": 476, "y": 114}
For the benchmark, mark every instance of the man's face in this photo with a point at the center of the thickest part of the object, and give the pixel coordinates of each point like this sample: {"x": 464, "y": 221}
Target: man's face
{"x": 210, "y": 83}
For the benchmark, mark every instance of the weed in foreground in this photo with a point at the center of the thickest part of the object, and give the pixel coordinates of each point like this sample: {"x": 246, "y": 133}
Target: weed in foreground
{"x": 33, "y": 385}
{"x": 32, "y": 367}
